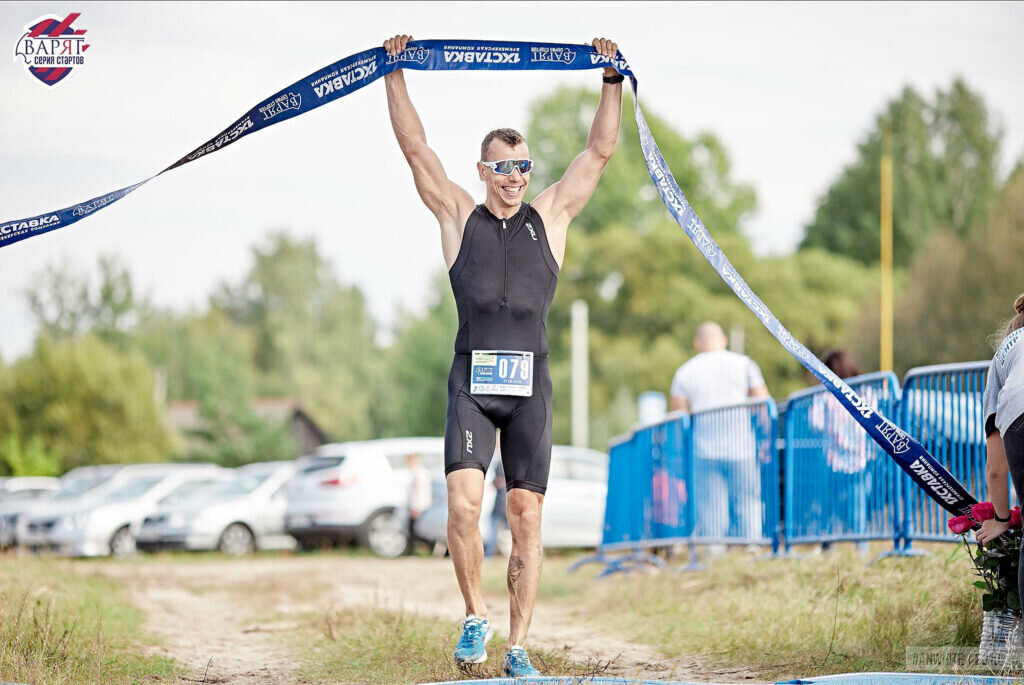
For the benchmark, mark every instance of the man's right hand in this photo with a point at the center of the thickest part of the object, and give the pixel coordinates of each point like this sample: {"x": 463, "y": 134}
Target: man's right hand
{"x": 395, "y": 46}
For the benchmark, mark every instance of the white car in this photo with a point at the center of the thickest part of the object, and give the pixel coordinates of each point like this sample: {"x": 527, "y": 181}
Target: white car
{"x": 77, "y": 484}
{"x": 30, "y": 486}
{"x": 17, "y": 495}
{"x": 237, "y": 517}
{"x": 573, "y": 505}
{"x": 106, "y": 521}
{"x": 358, "y": 491}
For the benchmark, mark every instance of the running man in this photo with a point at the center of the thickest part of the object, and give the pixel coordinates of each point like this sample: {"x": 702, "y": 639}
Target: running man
{"x": 503, "y": 258}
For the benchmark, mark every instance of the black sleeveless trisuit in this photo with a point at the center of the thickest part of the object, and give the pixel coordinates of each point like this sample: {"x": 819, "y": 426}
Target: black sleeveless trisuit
{"x": 504, "y": 280}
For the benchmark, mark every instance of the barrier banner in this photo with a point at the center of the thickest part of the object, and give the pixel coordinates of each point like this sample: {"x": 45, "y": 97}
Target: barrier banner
{"x": 357, "y": 71}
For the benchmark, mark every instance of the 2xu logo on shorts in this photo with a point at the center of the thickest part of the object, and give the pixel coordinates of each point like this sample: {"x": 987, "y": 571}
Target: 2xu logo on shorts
{"x": 469, "y": 442}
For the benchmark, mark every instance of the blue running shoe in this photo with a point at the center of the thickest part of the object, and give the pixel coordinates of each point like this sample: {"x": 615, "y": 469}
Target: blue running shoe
{"x": 517, "y": 664}
{"x": 472, "y": 647}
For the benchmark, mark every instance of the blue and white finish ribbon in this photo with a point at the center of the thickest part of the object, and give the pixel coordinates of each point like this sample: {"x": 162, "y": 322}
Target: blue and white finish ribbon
{"x": 352, "y": 73}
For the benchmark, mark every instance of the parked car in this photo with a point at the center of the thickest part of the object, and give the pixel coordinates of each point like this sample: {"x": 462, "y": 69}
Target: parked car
{"x": 106, "y": 521}
{"x": 78, "y": 483}
{"x": 356, "y": 491}
{"x": 18, "y": 495}
{"x": 237, "y": 517}
{"x": 573, "y": 504}
{"x": 28, "y": 487}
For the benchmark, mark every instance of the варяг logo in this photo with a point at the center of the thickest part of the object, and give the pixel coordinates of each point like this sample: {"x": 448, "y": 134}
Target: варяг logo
{"x": 51, "y": 48}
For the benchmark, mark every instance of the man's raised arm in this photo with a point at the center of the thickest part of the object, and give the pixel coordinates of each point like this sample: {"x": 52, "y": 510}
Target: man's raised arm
{"x": 447, "y": 201}
{"x": 564, "y": 199}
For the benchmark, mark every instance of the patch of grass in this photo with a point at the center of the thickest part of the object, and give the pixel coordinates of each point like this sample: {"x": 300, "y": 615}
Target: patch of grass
{"x": 797, "y": 617}
{"x": 57, "y": 626}
{"x": 378, "y": 646}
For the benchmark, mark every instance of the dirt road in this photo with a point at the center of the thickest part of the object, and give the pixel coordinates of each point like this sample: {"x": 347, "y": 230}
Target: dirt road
{"x": 211, "y": 614}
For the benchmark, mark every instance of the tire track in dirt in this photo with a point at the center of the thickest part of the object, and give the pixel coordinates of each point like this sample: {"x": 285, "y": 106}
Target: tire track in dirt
{"x": 211, "y": 615}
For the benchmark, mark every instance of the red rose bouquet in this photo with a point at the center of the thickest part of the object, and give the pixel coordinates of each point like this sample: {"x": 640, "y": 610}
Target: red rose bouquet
{"x": 997, "y": 562}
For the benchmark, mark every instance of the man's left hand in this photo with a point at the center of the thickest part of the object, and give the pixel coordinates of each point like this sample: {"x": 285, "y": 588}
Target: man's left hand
{"x": 607, "y": 48}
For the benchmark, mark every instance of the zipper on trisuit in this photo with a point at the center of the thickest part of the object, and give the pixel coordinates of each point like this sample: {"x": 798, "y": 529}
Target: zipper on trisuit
{"x": 504, "y": 244}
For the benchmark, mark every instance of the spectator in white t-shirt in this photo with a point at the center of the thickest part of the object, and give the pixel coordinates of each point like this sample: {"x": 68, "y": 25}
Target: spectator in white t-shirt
{"x": 728, "y": 487}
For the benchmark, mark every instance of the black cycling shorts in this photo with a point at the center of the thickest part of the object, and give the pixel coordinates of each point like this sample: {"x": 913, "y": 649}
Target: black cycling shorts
{"x": 525, "y": 424}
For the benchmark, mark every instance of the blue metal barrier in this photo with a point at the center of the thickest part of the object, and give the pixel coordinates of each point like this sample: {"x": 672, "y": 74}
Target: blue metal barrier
{"x": 840, "y": 485}
{"x": 709, "y": 478}
{"x": 942, "y": 409}
{"x": 714, "y": 477}
{"x": 647, "y": 503}
{"x": 736, "y": 474}
{"x": 672, "y": 517}
{"x": 620, "y": 507}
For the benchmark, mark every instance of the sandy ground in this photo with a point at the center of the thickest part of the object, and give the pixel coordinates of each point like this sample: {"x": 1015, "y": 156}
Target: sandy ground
{"x": 212, "y": 615}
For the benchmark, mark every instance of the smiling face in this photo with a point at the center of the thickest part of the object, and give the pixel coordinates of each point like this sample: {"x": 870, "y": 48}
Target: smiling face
{"x": 505, "y": 191}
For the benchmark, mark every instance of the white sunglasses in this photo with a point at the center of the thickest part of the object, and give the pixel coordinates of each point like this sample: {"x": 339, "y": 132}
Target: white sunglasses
{"x": 506, "y": 167}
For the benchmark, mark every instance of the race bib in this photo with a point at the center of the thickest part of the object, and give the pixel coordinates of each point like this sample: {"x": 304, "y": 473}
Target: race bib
{"x": 501, "y": 372}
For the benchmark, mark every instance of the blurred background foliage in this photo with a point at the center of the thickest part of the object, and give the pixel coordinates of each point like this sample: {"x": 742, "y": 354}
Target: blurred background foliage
{"x": 106, "y": 361}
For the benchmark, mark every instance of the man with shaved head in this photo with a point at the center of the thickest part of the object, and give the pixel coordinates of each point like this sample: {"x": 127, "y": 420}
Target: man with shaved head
{"x": 715, "y": 377}
{"x": 729, "y": 504}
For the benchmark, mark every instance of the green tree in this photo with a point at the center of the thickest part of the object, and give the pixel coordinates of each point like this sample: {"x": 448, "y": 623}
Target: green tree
{"x": 412, "y": 394}
{"x": 58, "y": 301}
{"x": 557, "y": 132}
{"x": 313, "y": 336}
{"x": 27, "y": 458}
{"x": 208, "y": 358}
{"x": 957, "y": 290}
{"x": 945, "y": 155}
{"x": 66, "y": 303}
{"x": 647, "y": 295}
{"x": 646, "y": 285}
{"x": 231, "y": 433}
{"x": 86, "y": 402}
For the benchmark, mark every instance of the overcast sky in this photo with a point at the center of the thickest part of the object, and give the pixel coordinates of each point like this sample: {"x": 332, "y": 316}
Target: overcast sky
{"x": 789, "y": 88}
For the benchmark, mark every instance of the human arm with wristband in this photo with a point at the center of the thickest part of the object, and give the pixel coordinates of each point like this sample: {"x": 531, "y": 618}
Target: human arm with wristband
{"x": 996, "y": 472}
{"x": 447, "y": 201}
{"x": 563, "y": 200}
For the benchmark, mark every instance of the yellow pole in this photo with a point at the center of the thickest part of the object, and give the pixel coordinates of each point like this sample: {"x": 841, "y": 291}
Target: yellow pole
{"x": 885, "y": 336}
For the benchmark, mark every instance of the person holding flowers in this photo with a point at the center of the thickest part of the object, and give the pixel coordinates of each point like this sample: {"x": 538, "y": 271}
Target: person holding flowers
{"x": 1004, "y": 430}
